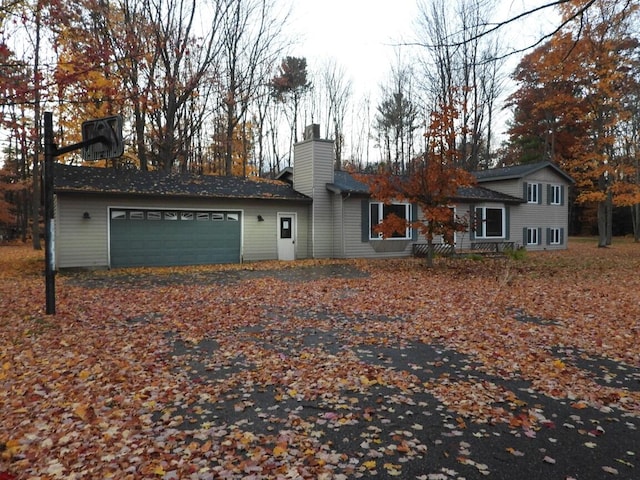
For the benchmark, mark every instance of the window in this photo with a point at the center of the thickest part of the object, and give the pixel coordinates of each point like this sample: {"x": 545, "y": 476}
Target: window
{"x": 533, "y": 193}
{"x": 217, "y": 217}
{"x": 489, "y": 222}
{"x": 555, "y": 236}
{"x": 154, "y": 215}
{"x": 555, "y": 194}
{"x": 170, "y": 215}
{"x": 533, "y": 237}
{"x": 136, "y": 215}
{"x": 233, "y": 217}
{"x": 118, "y": 215}
{"x": 379, "y": 211}
{"x": 186, "y": 215}
{"x": 202, "y": 217}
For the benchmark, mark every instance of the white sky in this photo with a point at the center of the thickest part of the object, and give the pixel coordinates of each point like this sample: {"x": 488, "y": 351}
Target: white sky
{"x": 358, "y": 34}
{"x": 362, "y": 36}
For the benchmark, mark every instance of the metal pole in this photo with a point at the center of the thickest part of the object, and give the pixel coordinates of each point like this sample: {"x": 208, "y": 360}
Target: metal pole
{"x": 49, "y": 232}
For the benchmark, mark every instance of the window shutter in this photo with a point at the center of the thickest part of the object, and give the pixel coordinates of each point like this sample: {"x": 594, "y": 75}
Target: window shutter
{"x": 472, "y": 222}
{"x": 548, "y": 236}
{"x": 562, "y": 236}
{"x": 539, "y": 242}
{"x": 525, "y": 192}
{"x": 507, "y": 221}
{"x": 539, "y": 194}
{"x": 561, "y": 194}
{"x": 549, "y": 193}
{"x": 364, "y": 221}
{"x": 414, "y": 217}
{"x": 524, "y": 236}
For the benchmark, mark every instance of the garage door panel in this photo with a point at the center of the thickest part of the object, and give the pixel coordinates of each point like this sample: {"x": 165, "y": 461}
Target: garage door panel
{"x": 163, "y": 238}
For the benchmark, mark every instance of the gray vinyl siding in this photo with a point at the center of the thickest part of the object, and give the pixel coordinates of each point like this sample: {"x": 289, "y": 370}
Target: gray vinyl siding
{"x": 535, "y": 215}
{"x": 356, "y": 248}
{"x": 85, "y": 243}
{"x": 80, "y": 242}
{"x": 312, "y": 171}
{"x": 338, "y": 226}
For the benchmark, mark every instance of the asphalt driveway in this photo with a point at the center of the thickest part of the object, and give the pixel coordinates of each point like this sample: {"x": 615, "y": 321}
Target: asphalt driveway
{"x": 327, "y": 392}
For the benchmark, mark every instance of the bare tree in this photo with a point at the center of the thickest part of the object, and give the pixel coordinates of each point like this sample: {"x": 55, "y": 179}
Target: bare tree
{"x": 396, "y": 119}
{"x": 186, "y": 54}
{"x": 290, "y": 87}
{"x": 333, "y": 94}
{"x": 460, "y": 70}
{"x": 250, "y": 47}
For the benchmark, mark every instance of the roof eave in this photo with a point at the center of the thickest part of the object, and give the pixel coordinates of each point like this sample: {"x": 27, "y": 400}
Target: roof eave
{"x": 78, "y": 191}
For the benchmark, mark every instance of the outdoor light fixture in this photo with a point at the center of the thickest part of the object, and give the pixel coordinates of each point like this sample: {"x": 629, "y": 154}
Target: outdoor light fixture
{"x": 260, "y": 218}
{"x": 86, "y": 216}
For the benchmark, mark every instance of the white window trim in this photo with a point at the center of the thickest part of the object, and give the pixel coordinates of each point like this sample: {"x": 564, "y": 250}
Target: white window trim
{"x": 556, "y": 191}
{"x": 554, "y": 232}
{"x": 482, "y": 223}
{"x": 380, "y": 205}
{"x": 532, "y": 232}
{"x": 533, "y": 193}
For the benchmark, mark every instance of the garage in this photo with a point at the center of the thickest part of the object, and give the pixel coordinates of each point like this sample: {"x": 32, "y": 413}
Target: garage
{"x": 168, "y": 237}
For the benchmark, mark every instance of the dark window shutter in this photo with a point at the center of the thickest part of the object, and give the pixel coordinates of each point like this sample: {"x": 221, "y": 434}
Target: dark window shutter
{"x": 414, "y": 217}
{"x": 539, "y": 194}
{"x": 507, "y": 221}
{"x": 472, "y": 222}
{"x": 525, "y": 190}
{"x": 364, "y": 221}
{"x": 549, "y": 193}
{"x": 562, "y": 236}
{"x": 524, "y": 236}
{"x": 539, "y": 242}
{"x": 562, "y": 194}
{"x": 548, "y": 236}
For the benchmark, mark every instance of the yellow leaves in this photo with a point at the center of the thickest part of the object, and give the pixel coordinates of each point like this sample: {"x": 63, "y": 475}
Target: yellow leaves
{"x": 393, "y": 469}
{"x": 559, "y": 364}
{"x": 280, "y": 450}
{"x": 369, "y": 464}
{"x": 11, "y": 448}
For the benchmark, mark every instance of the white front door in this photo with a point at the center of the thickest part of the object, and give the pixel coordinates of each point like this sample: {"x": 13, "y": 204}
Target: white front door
{"x": 286, "y": 236}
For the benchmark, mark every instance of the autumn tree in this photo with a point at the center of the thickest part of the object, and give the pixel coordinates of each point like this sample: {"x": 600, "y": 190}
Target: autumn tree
{"x": 431, "y": 185}
{"x": 574, "y": 91}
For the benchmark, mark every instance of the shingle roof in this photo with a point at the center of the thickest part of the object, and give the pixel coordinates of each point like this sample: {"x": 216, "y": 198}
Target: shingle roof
{"x": 134, "y": 182}
{"x": 477, "y": 193}
{"x": 518, "y": 171}
{"x": 344, "y": 182}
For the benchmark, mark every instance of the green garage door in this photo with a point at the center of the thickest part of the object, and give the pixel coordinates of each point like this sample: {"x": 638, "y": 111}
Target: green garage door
{"x": 173, "y": 237}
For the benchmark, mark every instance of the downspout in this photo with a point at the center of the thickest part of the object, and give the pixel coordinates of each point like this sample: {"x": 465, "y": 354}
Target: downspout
{"x": 342, "y": 240}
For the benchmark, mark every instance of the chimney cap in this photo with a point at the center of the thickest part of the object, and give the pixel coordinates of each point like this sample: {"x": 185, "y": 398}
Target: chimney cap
{"x": 312, "y": 132}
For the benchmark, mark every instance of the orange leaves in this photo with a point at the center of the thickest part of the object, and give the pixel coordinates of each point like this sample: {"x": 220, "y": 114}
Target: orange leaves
{"x": 278, "y": 372}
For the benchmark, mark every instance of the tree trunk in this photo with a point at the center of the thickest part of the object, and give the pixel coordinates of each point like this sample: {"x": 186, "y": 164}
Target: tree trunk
{"x": 429, "y": 251}
{"x": 602, "y": 224}
{"x": 609, "y": 218}
{"x": 635, "y": 220}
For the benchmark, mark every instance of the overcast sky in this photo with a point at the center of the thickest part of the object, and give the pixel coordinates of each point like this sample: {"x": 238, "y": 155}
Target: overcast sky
{"x": 362, "y": 36}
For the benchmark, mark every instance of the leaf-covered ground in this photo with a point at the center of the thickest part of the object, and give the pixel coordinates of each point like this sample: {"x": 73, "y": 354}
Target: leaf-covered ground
{"x": 325, "y": 369}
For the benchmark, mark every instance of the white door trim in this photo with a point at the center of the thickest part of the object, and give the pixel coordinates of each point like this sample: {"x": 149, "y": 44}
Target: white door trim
{"x": 287, "y": 235}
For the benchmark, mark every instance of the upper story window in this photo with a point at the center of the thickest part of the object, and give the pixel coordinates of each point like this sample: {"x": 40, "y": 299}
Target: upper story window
{"x": 533, "y": 193}
{"x": 489, "y": 222}
{"x": 379, "y": 211}
{"x": 555, "y": 194}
